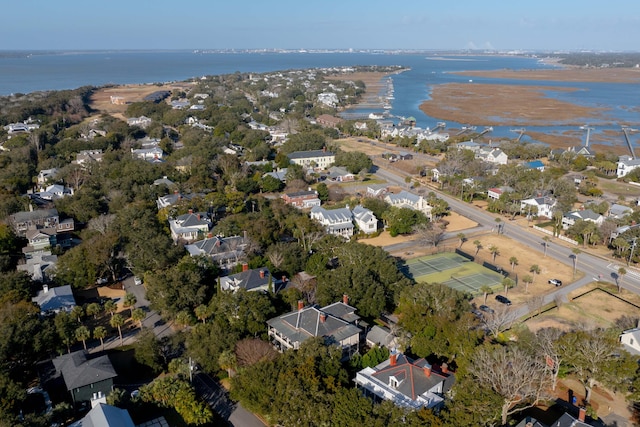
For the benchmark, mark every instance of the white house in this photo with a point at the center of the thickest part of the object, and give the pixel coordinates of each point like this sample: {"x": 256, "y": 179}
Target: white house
{"x": 492, "y": 155}
{"x": 45, "y": 175}
{"x": 153, "y": 153}
{"x": 405, "y": 199}
{"x": 496, "y": 192}
{"x": 365, "y": 219}
{"x": 320, "y": 159}
{"x": 618, "y": 211}
{"x": 570, "y": 218}
{"x": 630, "y": 340}
{"x": 189, "y": 227}
{"x": 626, "y": 164}
{"x": 336, "y": 221}
{"x": 141, "y": 121}
{"x": 377, "y": 190}
{"x": 407, "y": 383}
{"x": 545, "y": 205}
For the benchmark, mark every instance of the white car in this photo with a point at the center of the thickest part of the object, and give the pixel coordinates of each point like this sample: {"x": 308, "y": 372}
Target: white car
{"x": 137, "y": 280}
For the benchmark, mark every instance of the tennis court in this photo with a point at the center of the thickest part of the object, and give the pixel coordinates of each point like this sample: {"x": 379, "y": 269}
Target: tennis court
{"x": 452, "y": 270}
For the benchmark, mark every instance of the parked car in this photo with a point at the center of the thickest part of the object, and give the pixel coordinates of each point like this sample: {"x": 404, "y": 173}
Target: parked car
{"x": 137, "y": 280}
{"x": 555, "y": 282}
{"x": 486, "y": 309}
{"x": 502, "y": 299}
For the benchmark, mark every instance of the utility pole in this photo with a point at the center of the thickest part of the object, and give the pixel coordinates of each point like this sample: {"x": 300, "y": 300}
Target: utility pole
{"x": 633, "y": 246}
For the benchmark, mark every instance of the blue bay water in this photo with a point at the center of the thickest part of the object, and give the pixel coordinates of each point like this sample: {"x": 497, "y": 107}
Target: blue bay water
{"x": 23, "y": 74}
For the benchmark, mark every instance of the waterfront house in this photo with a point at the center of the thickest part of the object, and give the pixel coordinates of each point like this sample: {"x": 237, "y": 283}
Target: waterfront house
{"x": 626, "y": 164}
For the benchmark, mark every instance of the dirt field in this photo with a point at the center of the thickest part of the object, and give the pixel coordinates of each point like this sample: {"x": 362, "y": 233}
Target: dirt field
{"x": 592, "y": 310}
{"x": 101, "y": 99}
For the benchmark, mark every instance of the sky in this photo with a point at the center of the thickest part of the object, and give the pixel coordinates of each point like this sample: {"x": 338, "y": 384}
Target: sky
{"x": 610, "y": 25}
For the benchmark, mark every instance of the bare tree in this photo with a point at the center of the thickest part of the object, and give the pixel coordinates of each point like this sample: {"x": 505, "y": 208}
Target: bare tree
{"x": 514, "y": 375}
{"x": 429, "y": 234}
{"x": 535, "y": 303}
{"x": 101, "y": 223}
{"x": 500, "y": 320}
{"x": 250, "y": 351}
{"x": 276, "y": 257}
{"x": 547, "y": 342}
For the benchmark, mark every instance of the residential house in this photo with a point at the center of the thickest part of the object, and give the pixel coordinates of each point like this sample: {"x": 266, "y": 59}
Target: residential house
{"x": 190, "y": 226}
{"x": 47, "y": 175}
{"x": 224, "y": 251}
{"x": 407, "y": 383}
{"x": 492, "y": 155}
{"x": 85, "y": 378}
{"x": 103, "y": 415}
{"x": 405, "y": 199}
{"x": 536, "y": 164}
{"x": 54, "y": 300}
{"x": 86, "y": 157}
{"x": 302, "y": 199}
{"x": 164, "y": 181}
{"x": 290, "y": 330}
{"x": 570, "y": 218}
{"x": 318, "y": 159}
{"x": 377, "y": 190}
{"x": 382, "y": 337}
{"x": 24, "y": 127}
{"x": 40, "y": 240}
{"x": 148, "y": 154}
{"x": 179, "y": 104}
{"x": 279, "y": 174}
{"x": 338, "y": 222}
{"x": 340, "y": 174}
{"x": 257, "y": 279}
{"x": 53, "y": 192}
{"x": 325, "y": 120}
{"x": 175, "y": 198}
{"x": 545, "y": 206}
{"x": 141, "y": 121}
{"x": 403, "y": 155}
{"x": 41, "y": 266}
{"x": 565, "y": 420}
{"x": 618, "y": 211}
{"x": 365, "y": 219}
{"x": 32, "y": 220}
{"x": 626, "y": 164}
{"x": 496, "y": 192}
{"x": 630, "y": 340}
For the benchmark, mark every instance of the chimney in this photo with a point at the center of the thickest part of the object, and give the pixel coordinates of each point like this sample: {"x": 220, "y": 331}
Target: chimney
{"x": 284, "y": 279}
{"x": 393, "y": 359}
{"x": 345, "y": 299}
{"x": 444, "y": 368}
{"x": 245, "y": 267}
{"x": 190, "y": 211}
{"x": 262, "y": 274}
{"x": 300, "y": 304}
{"x": 427, "y": 370}
{"x": 209, "y": 235}
{"x": 45, "y": 288}
{"x": 323, "y": 317}
{"x": 244, "y": 235}
{"x": 582, "y": 413}
{"x": 199, "y": 217}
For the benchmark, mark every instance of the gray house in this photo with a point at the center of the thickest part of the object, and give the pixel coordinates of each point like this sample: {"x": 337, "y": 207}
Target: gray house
{"x": 86, "y": 379}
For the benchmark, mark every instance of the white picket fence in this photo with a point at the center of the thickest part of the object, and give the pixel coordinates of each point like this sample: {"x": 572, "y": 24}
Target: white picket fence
{"x": 563, "y": 238}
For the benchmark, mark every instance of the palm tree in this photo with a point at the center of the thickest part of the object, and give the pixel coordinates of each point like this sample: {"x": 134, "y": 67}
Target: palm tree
{"x": 203, "y": 312}
{"x": 507, "y": 284}
{"x": 129, "y": 300}
{"x": 576, "y": 252}
{"x": 621, "y": 272}
{"x": 545, "y": 242}
{"x": 499, "y": 224}
{"x": 513, "y": 261}
{"x": 227, "y": 360}
{"x": 93, "y": 309}
{"x": 478, "y": 245}
{"x": 77, "y": 311}
{"x": 83, "y": 334}
{"x": 117, "y": 321}
{"x": 495, "y": 251}
{"x": 527, "y": 279}
{"x": 183, "y": 318}
{"x": 138, "y": 315}
{"x": 462, "y": 238}
{"x": 100, "y": 332}
{"x": 110, "y": 307}
{"x": 486, "y": 290}
{"x": 535, "y": 270}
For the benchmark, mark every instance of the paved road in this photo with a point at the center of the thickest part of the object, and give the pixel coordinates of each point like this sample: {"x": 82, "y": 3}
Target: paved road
{"x": 217, "y": 398}
{"x": 593, "y": 267}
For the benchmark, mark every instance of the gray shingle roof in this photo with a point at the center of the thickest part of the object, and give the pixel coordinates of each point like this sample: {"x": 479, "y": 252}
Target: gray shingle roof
{"x": 248, "y": 280}
{"x": 78, "y": 371}
{"x": 308, "y": 154}
{"x": 103, "y": 415}
{"x": 58, "y": 298}
{"x": 414, "y": 381}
